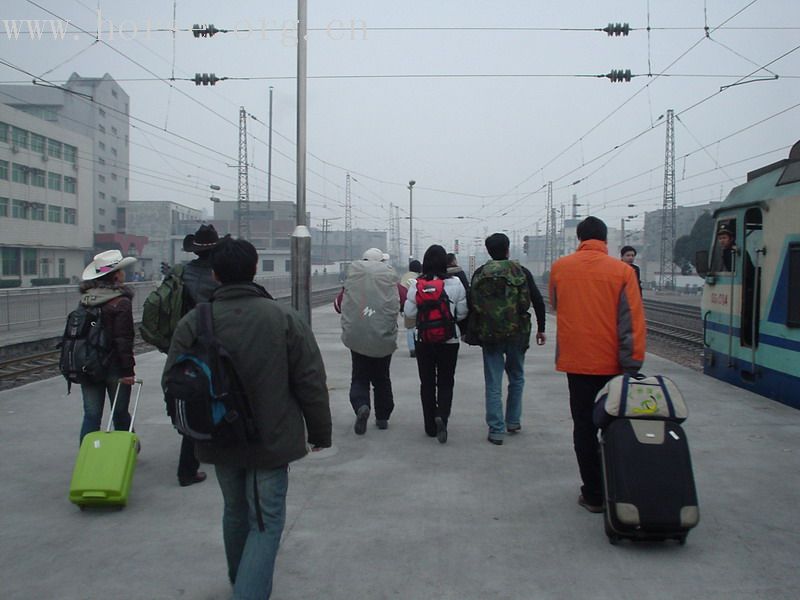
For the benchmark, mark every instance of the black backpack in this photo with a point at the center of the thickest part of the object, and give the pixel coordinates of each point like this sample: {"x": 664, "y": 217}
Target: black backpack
{"x": 85, "y": 347}
{"x": 204, "y": 394}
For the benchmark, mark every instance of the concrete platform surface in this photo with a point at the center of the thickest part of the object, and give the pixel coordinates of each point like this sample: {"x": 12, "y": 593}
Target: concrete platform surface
{"x": 394, "y": 514}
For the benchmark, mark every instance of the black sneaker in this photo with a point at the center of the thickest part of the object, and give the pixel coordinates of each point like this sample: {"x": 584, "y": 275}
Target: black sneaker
{"x": 512, "y": 429}
{"x": 382, "y": 423}
{"x": 441, "y": 430}
{"x": 361, "y": 420}
{"x": 495, "y": 441}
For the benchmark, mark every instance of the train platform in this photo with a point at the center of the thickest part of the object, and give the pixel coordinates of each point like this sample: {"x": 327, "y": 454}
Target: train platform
{"x": 394, "y": 514}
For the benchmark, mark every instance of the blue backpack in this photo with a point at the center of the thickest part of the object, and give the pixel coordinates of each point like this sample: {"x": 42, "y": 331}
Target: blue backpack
{"x": 204, "y": 394}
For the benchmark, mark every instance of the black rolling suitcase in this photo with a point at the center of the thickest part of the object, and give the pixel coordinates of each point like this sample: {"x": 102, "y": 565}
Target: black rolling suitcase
{"x": 647, "y": 469}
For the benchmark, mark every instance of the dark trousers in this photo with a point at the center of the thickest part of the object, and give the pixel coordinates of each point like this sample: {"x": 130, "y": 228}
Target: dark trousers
{"x": 187, "y": 463}
{"x": 436, "y": 364}
{"x": 582, "y": 392}
{"x": 370, "y": 370}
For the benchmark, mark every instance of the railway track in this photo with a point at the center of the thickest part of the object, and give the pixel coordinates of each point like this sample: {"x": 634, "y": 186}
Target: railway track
{"x": 27, "y": 368}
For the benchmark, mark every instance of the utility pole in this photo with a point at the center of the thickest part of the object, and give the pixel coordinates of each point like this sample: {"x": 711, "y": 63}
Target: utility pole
{"x": 348, "y": 221}
{"x": 243, "y": 204}
{"x": 411, "y": 219}
{"x": 667, "y": 275}
{"x": 269, "y": 159}
{"x": 301, "y": 237}
{"x": 550, "y": 230}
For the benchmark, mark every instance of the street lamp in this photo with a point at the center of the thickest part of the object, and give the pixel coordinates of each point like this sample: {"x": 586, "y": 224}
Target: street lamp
{"x": 411, "y": 218}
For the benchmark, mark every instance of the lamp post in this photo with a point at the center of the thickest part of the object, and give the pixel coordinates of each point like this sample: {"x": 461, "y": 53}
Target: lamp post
{"x": 411, "y": 219}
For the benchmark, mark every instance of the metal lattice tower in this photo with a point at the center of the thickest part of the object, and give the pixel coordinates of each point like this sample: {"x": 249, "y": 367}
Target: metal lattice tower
{"x": 667, "y": 274}
{"x": 243, "y": 218}
{"x": 550, "y": 230}
{"x": 348, "y": 222}
{"x": 397, "y": 244}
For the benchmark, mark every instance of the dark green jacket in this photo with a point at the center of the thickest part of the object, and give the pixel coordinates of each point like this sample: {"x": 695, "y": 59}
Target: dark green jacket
{"x": 281, "y": 368}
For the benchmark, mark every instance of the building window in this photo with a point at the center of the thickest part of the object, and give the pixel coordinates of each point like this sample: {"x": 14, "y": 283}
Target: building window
{"x": 113, "y": 177}
{"x": 19, "y": 209}
{"x": 101, "y": 195}
{"x": 114, "y": 131}
{"x": 10, "y": 261}
{"x": 114, "y": 93}
{"x": 267, "y": 265}
{"x": 4, "y": 133}
{"x": 114, "y": 222}
{"x": 102, "y": 146}
{"x": 101, "y": 112}
{"x": 101, "y": 128}
{"x": 38, "y": 142}
{"x": 70, "y": 153}
{"x": 45, "y": 268}
{"x": 102, "y": 211}
{"x": 28, "y": 261}
{"x": 54, "y": 214}
{"x": 114, "y": 199}
{"x": 101, "y": 160}
{"x": 3, "y": 207}
{"x": 37, "y": 178}
{"x": 4, "y": 169}
{"x": 54, "y": 148}
{"x": 70, "y": 216}
{"x": 69, "y": 184}
{"x": 288, "y": 266}
{"x": 19, "y": 173}
{"x": 102, "y": 178}
{"x": 62, "y": 267}
{"x": 101, "y": 228}
{"x": 37, "y": 211}
{"x": 19, "y": 137}
{"x": 113, "y": 151}
{"x": 54, "y": 181}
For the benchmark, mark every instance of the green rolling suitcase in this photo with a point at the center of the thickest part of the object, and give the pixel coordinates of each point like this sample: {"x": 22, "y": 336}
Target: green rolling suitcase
{"x": 106, "y": 461}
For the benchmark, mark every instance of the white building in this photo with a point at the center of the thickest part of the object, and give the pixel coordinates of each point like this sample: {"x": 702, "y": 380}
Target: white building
{"x": 96, "y": 108}
{"x": 46, "y": 210}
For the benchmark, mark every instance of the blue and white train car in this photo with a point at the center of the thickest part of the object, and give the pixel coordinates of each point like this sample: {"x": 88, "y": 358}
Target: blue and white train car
{"x": 751, "y": 296}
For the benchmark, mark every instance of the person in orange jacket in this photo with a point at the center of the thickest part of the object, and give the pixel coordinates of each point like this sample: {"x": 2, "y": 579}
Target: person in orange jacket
{"x": 600, "y": 334}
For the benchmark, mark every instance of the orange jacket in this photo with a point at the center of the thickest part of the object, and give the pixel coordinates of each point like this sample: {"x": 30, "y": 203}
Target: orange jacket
{"x": 600, "y": 317}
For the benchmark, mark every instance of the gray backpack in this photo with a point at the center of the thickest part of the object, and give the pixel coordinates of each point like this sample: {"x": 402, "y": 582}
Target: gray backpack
{"x": 370, "y": 307}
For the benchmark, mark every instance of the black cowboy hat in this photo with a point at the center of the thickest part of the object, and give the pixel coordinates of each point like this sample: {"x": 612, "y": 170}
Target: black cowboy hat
{"x": 202, "y": 240}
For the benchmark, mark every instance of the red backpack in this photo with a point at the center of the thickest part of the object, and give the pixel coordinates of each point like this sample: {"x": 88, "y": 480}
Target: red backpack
{"x": 435, "y": 322}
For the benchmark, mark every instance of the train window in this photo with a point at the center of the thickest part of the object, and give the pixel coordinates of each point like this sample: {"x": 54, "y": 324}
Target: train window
{"x": 725, "y": 240}
{"x": 793, "y": 313}
{"x": 791, "y": 174}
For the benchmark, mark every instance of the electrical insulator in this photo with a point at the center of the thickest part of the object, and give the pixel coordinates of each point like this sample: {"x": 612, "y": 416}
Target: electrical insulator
{"x": 617, "y": 29}
{"x": 525, "y": 244}
{"x": 617, "y": 75}
{"x": 205, "y": 79}
{"x": 204, "y": 30}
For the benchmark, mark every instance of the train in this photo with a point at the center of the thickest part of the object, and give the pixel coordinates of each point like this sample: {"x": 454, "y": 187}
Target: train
{"x": 751, "y": 294}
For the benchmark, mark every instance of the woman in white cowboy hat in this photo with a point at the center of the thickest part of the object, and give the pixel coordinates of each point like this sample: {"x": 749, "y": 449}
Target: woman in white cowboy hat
{"x": 104, "y": 285}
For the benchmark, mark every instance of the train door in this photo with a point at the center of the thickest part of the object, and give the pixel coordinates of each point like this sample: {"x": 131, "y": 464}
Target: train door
{"x": 752, "y": 252}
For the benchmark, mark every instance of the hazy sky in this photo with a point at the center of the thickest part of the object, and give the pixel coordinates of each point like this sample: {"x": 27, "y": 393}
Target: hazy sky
{"x": 481, "y": 102}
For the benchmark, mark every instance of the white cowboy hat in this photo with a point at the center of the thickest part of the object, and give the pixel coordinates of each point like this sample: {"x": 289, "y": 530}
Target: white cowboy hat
{"x": 105, "y": 263}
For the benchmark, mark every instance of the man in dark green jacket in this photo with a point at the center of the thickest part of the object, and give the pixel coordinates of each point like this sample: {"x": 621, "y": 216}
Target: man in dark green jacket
{"x": 281, "y": 369}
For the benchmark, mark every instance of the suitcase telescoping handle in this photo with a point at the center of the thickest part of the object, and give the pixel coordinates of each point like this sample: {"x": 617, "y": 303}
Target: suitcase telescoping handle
{"x": 135, "y": 405}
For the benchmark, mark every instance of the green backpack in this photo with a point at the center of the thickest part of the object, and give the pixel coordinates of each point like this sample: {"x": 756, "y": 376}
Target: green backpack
{"x": 500, "y": 301}
{"x": 162, "y": 310}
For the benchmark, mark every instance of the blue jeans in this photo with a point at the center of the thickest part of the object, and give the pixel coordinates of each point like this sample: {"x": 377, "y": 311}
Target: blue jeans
{"x": 94, "y": 396}
{"x": 410, "y": 339}
{"x": 508, "y": 357}
{"x": 251, "y": 553}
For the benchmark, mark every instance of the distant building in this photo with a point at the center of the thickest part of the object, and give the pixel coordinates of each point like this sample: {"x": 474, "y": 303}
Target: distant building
{"x": 45, "y": 199}
{"x": 97, "y": 108}
{"x": 165, "y": 224}
{"x": 330, "y": 247}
